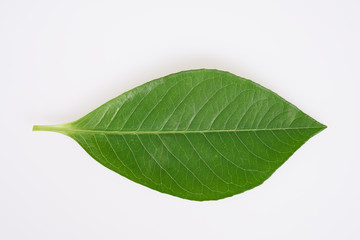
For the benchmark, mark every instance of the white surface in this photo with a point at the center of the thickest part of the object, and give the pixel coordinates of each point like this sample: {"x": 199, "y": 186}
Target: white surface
{"x": 61, "y": 59}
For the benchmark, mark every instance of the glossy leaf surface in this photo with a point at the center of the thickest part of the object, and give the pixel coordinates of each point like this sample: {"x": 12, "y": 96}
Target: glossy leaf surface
{"x": 199, "y": 134}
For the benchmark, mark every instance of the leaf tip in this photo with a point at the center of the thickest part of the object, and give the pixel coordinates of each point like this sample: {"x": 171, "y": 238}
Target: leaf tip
{"x": 323, "y": 127}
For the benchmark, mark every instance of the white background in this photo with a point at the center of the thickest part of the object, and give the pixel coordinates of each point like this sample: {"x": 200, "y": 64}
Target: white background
{"x": 61, "y": 59}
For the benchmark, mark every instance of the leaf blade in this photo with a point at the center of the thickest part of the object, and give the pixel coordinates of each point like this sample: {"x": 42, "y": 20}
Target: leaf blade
{"x": 199, "y": 135}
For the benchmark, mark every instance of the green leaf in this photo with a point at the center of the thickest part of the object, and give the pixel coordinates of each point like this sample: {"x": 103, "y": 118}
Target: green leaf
{"x": 199, "y": 134}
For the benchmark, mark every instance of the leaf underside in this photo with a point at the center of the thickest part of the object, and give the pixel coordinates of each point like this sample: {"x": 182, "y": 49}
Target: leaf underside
{"x": 198, "y": 134}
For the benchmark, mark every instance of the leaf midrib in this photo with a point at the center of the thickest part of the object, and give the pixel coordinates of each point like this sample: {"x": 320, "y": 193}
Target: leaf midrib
{"x": 58, "y": 128}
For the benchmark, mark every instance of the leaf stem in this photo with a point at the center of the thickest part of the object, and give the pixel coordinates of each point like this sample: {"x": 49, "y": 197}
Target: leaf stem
{"x": 50, "y": 128}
